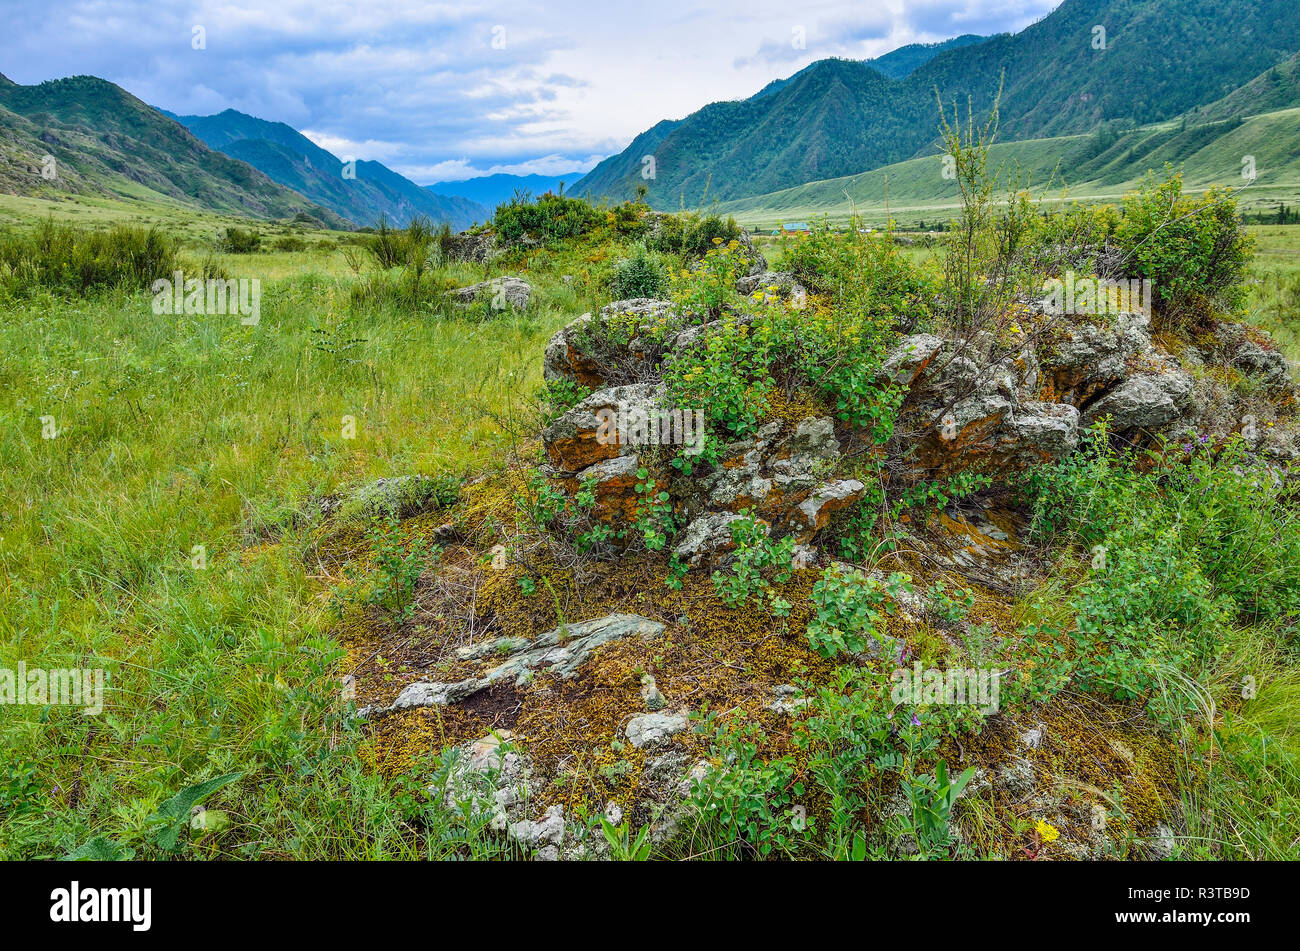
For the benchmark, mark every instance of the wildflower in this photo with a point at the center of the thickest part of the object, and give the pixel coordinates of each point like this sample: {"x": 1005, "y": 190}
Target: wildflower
{"x": 1048, "y": 831}
{"x": 915, "y": 720}
{"x": 717, "y": 241}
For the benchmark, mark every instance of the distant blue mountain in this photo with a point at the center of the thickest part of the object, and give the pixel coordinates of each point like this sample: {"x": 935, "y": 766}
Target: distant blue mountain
{"x": 287, "y": 156}
{"x": 492, "y": 190}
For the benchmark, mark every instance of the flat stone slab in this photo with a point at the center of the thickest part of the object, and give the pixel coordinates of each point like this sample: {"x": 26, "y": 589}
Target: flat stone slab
{"x": 561, "y": 651}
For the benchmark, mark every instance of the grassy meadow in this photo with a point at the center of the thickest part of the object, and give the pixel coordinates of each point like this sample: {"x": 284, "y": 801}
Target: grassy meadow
{"x": 166, "y": 531}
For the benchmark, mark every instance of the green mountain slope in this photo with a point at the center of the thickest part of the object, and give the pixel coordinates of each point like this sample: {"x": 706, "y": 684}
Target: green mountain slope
{"x": 1161, "y": 58}
{"x": 1103, "y": 164}
{"x": 905, "y": 60}
{"x": 292, "y": 159}
{"x": 106, "y": 141}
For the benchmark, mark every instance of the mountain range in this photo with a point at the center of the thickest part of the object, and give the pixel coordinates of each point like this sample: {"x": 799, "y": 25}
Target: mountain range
{"x": 1086, "y": 63}
{"x": 292, "y": 159}
{"x": 103, "y": 140}
{"x": 492, "y": 190}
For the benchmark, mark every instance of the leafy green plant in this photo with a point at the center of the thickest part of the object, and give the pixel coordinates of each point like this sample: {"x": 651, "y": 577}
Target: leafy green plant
{"x": 1193, "y": 250}
{"x": 640, "y": 274}
{"x": 756, "y": 564}
{"x": 623, "y": 845}
{"x": 929, "y": 818}
{"x": 850, "y": 609}
{"x": 751, "y": 798}
{"x": 398, "y": 565}
{"x": 173, "y": 816}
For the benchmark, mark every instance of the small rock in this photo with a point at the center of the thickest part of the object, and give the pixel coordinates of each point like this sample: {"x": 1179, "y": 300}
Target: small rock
{"x": 654, "y": 729}
{"x": 501, "y": 290}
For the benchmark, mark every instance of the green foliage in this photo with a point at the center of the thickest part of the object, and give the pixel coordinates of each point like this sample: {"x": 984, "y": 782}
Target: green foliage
{"x": 751, "y": 798}
{"x": 850, "y": 609}
{"x": 931, "y": 798}
{"x": 1178, "y": 555}
{"x": 173, "y": 816}
{"x": 640, "y": 274}
{"x": 756, "y": 564}
{"x": 692, "y": 235}
{"x": 1193, "y": 250}
{"x": 654, "y": 511}
{"x": 70, "y": 260}
{"x": 952, "y": 607}
{"x": 398, "y": 565}
{"x": 549, "y": 218}
{"x": 240, "y": 241}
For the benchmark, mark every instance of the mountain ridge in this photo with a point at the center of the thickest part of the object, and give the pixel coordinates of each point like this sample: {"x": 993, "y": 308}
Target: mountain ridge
{"x": 1155, "y": 60}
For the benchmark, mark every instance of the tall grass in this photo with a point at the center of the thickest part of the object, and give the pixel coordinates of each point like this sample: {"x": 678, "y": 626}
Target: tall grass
{"x": 72, "y": 260}
{"x": 178, "y": 431}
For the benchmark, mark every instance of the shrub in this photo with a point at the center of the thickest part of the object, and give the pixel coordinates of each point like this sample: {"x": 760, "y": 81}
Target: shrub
{"x": 240, "y": 241}
{"x": 691, "y": 234}
{"x": 1193, "y": 250}
{"x": 1178, "y": 556}
{"x": 70, "y": 260}
{"x": 850, "y": 609}
{"x": 551, "y": 217}
{"x": 640, "y": 274}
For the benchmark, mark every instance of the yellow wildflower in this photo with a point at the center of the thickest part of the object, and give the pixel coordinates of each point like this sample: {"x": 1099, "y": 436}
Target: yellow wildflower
{"x": 1048, "y": 831}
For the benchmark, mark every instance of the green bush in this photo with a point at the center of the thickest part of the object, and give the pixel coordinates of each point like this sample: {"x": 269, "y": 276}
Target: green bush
{"x": 1178, "y": 556}
{"x": 551, "y": 217}
{"x": 71, "y": 260}
{"x": 240, "y": 241}
{"x": 692, "y": 235}
{"x": 640, "y": 274}
{"x": 1193, "y": 250}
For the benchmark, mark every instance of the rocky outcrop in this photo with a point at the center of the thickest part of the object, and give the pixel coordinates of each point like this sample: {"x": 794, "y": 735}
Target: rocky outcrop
{"x": 500, "y": 291}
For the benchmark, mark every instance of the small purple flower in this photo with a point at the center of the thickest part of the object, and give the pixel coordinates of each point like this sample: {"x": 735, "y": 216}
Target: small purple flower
{"x": 915, "y": 721}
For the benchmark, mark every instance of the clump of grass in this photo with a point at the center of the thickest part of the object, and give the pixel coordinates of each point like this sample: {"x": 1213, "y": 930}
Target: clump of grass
{"x": 70, "y": 260}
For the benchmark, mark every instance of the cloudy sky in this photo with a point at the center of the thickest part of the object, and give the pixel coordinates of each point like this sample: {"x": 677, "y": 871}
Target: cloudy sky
{"x": 444, "y": 91}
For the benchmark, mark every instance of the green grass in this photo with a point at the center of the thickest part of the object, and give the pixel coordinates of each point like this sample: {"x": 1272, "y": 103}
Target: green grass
{"x": 184, "y": 431}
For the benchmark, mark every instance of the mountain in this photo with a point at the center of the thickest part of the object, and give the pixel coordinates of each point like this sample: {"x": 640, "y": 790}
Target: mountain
{"x": 292, "y": 159}
{"x": 1160, "y": 59}
{"x": 492, "y": 190}
{"x": 1278, "y": 87}
{"x": 106, "y": 141}
{"x": 1102, "y": 164}
{"x": 905, "y": 60}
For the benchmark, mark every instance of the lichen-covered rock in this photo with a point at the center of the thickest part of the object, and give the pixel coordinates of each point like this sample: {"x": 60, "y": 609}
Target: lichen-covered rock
{"x": 400, "y": 497}
{"x": 780, "y": 283}
{"x": 1088, "y": 358}
{"x": 613, "y": 483}
{"x": 560, "y": 651}
{"x": 654, "y": 729}
{"x": 471, "y": 248}
{"x": 596, "y": 428}
{"x": 490, "y": 776}
{"x": 814, "y": 512}
{"x": 542, "y": 837}
{"x": 910, "y": 357}
{"x": 501, "y": 291}
{"x": 1150, "y": 401}
{"x": 707, "y": 537}
{"x": 583, "y": 350}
